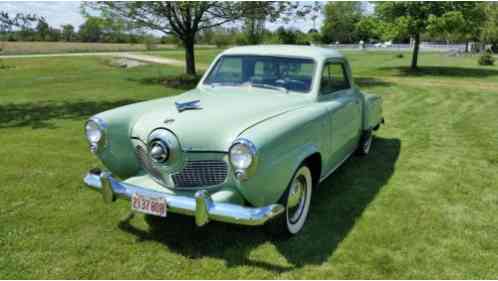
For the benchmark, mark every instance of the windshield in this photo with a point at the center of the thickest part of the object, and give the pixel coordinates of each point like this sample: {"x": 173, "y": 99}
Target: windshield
{"x": 277, "y": 73}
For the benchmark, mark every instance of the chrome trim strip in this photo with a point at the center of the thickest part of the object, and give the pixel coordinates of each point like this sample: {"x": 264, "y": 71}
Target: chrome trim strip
{"x": 201, "y": 206}
{"x": 336, "y": 167}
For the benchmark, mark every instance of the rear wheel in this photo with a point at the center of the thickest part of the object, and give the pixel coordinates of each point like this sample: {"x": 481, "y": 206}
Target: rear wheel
{"x": 365, "y": 143}
{"x": 296, "y": 200}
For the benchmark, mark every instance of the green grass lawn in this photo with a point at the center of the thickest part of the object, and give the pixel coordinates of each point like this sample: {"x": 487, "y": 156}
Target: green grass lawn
{"x": 423, "y": 204}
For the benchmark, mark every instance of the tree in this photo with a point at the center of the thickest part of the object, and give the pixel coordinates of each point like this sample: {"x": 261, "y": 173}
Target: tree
{"x": 340, "y": 21}
{"x": 490, "y": 27}
{"x": 253, "y": 29}
{"x": 286, "y": 36}
{"x": 462, "y": 23}
{"x": 314, "y": 36}
{"x": 182, "y": 19}
{"x": 91, "y": 30}
{"x": 19, "y": 20}
{"x": 255, "y": 18}
{"x": 411, "y": 18}
{"x": 42, "y": 29}
{"x": 256, "y": 14}
{"x": 68, "y": 34}
{"x": 54, "y": 34}
{"x": 369, "y": 28}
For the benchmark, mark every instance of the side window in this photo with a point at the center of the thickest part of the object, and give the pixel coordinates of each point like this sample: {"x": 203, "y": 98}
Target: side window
{"x": 334, "y": 78}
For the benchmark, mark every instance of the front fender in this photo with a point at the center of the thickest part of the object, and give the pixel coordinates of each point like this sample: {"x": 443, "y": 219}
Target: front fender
{"x": 283, "y": 144}
{"x": 118, "y": 156}
{"x": 273, "y": 178}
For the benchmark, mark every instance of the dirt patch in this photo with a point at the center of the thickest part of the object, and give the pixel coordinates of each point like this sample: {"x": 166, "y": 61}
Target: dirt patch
{"x": 122, "y": 62}
{"x": 128, "y": 63}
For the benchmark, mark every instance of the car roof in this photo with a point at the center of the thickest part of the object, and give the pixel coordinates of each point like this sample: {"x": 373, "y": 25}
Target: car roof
{"x": 314, "y": 52}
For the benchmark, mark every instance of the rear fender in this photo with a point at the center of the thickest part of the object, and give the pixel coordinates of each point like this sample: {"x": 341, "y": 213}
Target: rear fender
{"x": 372, "y": 112}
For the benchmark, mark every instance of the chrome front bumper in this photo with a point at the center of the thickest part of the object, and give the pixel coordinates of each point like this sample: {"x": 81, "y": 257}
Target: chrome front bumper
{"x": 201, "y": 206}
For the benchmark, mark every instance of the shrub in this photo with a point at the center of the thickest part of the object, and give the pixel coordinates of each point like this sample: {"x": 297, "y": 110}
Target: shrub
{"x": 3, "y": 65}
{"x": 486, "y": 59}
{"x": 150, "y": 44}
{"x": 183, "y": 81}
{"x": 494, "y": 48}
{"x": 222, "y": 40}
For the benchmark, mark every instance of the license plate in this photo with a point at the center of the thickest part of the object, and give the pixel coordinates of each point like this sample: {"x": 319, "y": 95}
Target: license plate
{"x": 148, "y": 205}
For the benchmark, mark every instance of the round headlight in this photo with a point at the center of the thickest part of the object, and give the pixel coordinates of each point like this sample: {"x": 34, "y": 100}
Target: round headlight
{"x": 159, "y": 151}
{"x": 242, "y": 154}
{"x": 93, "y": 131}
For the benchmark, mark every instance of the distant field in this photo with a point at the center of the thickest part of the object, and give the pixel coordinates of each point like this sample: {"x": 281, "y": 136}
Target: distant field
{"x": 10, "y": 48}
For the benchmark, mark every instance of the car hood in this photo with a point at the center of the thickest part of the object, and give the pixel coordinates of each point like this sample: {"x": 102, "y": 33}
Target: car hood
{"x": 224, "y": 114}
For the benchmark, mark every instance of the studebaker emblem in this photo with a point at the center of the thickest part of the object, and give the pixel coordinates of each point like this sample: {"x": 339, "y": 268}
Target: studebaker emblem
{"x": 181, "y": 106}
{"x": 169, "y": 120}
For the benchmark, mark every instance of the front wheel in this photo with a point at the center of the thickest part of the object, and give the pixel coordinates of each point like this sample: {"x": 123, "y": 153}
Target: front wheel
{"x": 296, "y": 200}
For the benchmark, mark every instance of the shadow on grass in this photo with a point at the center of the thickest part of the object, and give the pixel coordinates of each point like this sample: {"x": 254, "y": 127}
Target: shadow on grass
{"x": 446, "y": 71}
{"x": 337, "y": 204}
{"x": 45, "y": 114}
{"x": 371, "y": 82}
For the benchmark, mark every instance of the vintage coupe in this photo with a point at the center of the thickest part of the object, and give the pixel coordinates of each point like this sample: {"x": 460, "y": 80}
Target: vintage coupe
{"x": 262, "y": 128}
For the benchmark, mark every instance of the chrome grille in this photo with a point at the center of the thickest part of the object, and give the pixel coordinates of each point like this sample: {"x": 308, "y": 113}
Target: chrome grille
{"x": 146, "y": 163}
{"x": 199, "y": 173}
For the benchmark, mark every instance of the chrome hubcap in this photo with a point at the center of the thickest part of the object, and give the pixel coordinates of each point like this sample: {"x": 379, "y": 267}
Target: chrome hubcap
{"x": 296, "y": 199}
{"x": 367, "y": 144}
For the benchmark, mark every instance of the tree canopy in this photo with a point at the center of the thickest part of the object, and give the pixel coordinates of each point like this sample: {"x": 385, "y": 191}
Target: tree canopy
{"x": 415, "y": 18}
{"x": 340, "y": 21}
{"x": 462, "y": 23}
{"x": 490, "y": 27}
{"x": 185, "y": 19}
{"x": 7, "y": 22}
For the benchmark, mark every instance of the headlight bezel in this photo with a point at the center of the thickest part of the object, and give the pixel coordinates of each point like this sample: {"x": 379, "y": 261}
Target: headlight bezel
{"x": 102, "y": 142}
{"x": 243, "y": 172}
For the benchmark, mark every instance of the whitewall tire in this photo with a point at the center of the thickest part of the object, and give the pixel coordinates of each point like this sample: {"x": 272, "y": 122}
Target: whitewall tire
{"x": 296, "y": 200}
{"x": 365, "y": 143}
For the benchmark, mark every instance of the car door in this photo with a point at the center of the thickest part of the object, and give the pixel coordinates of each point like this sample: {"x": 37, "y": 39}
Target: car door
{"x": 343, "y": 110}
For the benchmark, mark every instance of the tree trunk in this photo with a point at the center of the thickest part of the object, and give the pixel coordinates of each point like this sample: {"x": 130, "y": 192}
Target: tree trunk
{"x": 466, "y": 46}
{"x": 189, "y": 56}
{"x": 416, "y": 47}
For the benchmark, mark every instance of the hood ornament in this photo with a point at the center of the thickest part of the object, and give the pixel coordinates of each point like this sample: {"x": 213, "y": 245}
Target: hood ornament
{"x": 181, "y": 106}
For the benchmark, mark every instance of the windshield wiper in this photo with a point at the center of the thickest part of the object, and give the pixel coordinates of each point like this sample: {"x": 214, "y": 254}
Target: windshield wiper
{"x": 268, "y": 86}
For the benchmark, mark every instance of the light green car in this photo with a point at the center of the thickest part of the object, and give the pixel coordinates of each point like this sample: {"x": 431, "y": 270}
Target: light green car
{"x": 264, "y": 126}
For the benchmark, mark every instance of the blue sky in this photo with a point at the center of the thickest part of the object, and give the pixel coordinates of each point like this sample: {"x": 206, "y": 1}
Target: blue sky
{"x": 59, "y": 13}
{"x": 56, "y": 13}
